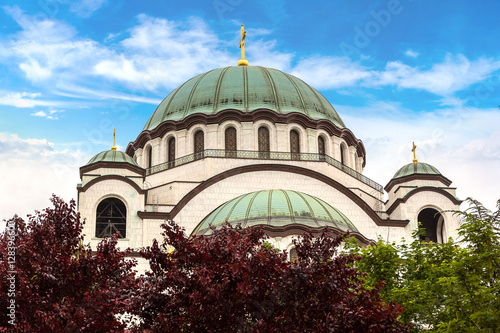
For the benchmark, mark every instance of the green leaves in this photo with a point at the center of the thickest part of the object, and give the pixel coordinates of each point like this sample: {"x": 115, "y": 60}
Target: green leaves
{"x": 450, "y": 287}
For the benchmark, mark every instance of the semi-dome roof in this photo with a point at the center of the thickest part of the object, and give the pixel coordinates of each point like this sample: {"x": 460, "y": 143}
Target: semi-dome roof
{"x": 416, "y": 168}
{"x": 112, "y": 156}
{"x": 243, "y": 88}
{"x": 276, "y": 208}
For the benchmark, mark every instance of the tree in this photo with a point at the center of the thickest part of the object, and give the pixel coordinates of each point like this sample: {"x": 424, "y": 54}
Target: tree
{"x": 233, "y": 281}
{"x": 449, "y": 287}
{"x": 57, "y": 284}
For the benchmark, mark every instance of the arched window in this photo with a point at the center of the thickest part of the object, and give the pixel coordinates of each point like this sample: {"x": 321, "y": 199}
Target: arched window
{"x": 111, "y": 217}
{"x": 149, "y": 156}
{"x": 432, "y": 222}
{"x": 230, "y": 142}
{"x": 199, "y": 144}
{"x": 295, "y": 145}
{"x": 264, "y": 146}
{"x": 343, "y": 158}
{"x": 171, "y": 152}
{"x": 293, "y": 254}
{"x": 321, "y": 148}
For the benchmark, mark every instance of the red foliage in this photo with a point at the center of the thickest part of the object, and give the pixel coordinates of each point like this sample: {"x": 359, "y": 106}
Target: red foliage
{"x": 60, "y": 285}
{"x": 233, "y": 281}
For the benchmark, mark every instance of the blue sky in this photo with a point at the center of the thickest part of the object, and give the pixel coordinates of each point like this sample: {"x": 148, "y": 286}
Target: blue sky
{"x": 396, "y": 72}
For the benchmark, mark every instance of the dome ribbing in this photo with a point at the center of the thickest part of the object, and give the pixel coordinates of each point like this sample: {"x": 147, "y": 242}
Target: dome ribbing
{"x": 246, "y": 89}
{"x": 416, "y": 168}
{"x": 276, "y": 208}
{"x": 112, "y": 156}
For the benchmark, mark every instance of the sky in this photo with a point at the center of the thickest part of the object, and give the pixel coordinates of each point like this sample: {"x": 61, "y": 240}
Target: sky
{"x": 397, "y": 72}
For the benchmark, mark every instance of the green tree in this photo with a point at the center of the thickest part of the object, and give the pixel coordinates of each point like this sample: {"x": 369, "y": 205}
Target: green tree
{"x": 449, "y": 287}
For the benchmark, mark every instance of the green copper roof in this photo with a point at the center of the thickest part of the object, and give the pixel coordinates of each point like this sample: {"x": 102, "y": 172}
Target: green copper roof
{"x": 244, "y": 88}
{"x": 277, "y": 208}
{"x": 112, "y": 156}
{"x": 416, "y": 168}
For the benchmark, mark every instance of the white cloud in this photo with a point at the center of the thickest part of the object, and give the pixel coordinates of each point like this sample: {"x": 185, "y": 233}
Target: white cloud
{"x": 85, "y": 8}
{"x": 445, "y": 139}
{"x": 412, "y": 54}
{"x": 157, "y": 55}
{"x": 481, "y": 149}
{"x": 453, "y": 74}
{"x": 51, "y": 115}
{"x": 330, "y": 72}
{"x": 20, "y": 100}
{"x": 39, "y": 114}
{"x": 35, "y": 166}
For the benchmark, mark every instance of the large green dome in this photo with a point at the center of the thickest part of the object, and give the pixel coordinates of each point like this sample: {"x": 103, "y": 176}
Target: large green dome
{"x": 276, "y": 208}
{"x": 246, "y": 89}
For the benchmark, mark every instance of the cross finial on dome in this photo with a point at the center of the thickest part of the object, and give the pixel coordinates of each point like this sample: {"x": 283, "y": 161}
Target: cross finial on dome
{"x": 414, "y": 155}
{"x": 114, "y": 147}
{"x": 243, "y": 61}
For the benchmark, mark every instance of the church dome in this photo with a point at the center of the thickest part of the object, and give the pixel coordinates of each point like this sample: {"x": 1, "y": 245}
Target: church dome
{"x": 112, "y": 156}
{"x": 246, "y": 89}
{"x": 416, "y": 169}
{"x": 276, "y": 209}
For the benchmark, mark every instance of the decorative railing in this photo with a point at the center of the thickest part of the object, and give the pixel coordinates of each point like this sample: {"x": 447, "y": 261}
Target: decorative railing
{"x": 263, "y": 155}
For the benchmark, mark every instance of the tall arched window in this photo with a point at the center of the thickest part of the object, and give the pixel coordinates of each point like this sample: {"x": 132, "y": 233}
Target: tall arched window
{"x": 230, "y": 142}
{"x": 293, "y": 254}
{"x": 199, "y": 144}
{"x": 342, "y": 154}
{"x": 264, "y": 146}
{"x": 171, "y": 152}
{"x": 111, "y": 217}
{"x": 321, "y": 148}
{"x": 149, "y": 156}
{"x": 295, "y": 145}
{"x": 432, "y": 222}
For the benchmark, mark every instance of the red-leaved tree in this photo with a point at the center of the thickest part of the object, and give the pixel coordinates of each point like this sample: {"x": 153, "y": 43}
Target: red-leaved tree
{"x": 56, "y": 283}
{"x": 233, "y": 281}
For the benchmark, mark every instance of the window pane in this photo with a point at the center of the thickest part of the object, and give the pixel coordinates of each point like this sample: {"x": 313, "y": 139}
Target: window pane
{"x": 111, "y": 217}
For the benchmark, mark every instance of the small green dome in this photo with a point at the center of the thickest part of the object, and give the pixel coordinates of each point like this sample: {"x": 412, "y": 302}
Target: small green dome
{"x": 112, "y": 156}
{"x": 276, "y": 208}
{"x": 246, "y": 89}
{"x": 416, "y": 169}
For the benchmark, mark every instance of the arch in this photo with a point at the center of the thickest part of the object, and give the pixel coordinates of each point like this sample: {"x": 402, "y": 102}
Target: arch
{"x": 293, "y": 256}
{"x": 111, "y": 217}
{"x": 432, "y": 222}
{"x": 294, "y": 145}
{"x": 321, "y": 148}
{"x": 199, "y": 144}
{"x": 171, "y": 151}
{"x": 264, "y": 142}
{"x": 292, "y": 169}
{"x": 344, "y": 158}
{"x": 149, "y": 156}
{"x": 230, "y": 141}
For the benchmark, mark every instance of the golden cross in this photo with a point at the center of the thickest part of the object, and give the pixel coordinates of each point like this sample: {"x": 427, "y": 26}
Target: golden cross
{"x": 242, "y": 41}
{"x": 114, "y": 147}
{"x": 242, "y": 61}
{"x": 414, "y": 155}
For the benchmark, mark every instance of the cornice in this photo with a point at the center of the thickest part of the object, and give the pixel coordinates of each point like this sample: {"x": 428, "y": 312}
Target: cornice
{"x": 111, "y": 177}
{"x": 423, "y": 189}
{"x": 114, "y": 165}
{"x": 409, "y": 178}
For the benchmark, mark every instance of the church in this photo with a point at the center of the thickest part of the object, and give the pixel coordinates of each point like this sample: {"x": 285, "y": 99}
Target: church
{"x": 258, "y": 147}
